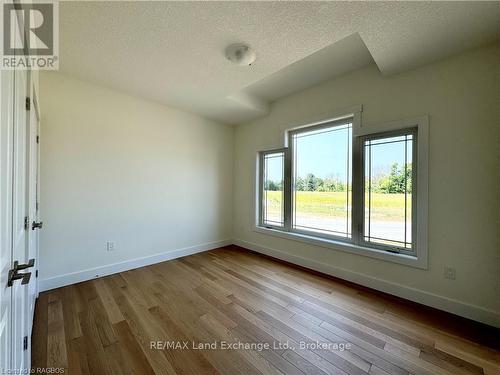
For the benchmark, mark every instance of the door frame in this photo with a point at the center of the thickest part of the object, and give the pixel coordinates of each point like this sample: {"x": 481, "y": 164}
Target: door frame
{"x": 33, "y": 191}
{"x": 6, "y": 180}
{"x": 36, "y": 108}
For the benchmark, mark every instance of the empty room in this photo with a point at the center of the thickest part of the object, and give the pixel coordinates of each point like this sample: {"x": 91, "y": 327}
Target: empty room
{"x": 249, "y": 187}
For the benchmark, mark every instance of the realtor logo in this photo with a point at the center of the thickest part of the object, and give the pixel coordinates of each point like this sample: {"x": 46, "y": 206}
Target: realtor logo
{"x": 30, "y": 35}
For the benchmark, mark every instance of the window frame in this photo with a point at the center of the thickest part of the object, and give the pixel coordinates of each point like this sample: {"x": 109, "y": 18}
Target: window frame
{"x": 359, "y": 218}
{"x": 286, "y": 186}
{"x": 418, "y": 256}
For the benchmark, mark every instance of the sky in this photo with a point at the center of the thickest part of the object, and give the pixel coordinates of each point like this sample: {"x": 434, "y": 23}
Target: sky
{"x": 325, "y": 155}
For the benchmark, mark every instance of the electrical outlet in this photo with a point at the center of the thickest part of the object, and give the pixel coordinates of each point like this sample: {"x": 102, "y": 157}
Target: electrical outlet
{"x": 110, "y": 246}
{"x": 450, "y": 273}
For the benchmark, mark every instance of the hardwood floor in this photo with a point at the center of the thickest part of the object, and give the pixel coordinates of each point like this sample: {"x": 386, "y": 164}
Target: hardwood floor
{"x": 107, "y": 325}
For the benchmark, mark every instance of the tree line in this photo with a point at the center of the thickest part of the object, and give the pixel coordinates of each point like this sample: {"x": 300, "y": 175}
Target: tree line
{"x": 388, "y": 183}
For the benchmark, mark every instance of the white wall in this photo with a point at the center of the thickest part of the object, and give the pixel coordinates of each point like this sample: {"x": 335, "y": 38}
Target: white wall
{"x": 462, "y": 97}
{"x": 118, "y": 168}
{"x": 157, "y": 180}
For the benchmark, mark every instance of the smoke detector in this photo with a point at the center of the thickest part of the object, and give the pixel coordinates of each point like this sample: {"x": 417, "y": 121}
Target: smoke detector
{"x": 240, "y": 54}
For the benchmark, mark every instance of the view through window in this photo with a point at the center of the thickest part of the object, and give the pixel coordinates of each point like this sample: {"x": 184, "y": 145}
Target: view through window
{"x": 333, "y": 185}
{"x": 273, "y": 202}
{"x": 388, "y": 190}
{"x": 322, "y": 194}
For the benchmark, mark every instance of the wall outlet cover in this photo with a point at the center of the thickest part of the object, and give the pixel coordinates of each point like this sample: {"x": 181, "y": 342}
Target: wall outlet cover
{"x": 450, "y": 273}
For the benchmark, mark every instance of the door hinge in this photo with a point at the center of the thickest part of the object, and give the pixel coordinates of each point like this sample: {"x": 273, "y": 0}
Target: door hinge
{"x": 37, "y": 139}
{"x": 28, "y": 103}
{"x": 25, "y": 343}
{"x": 26, "y": 223}
{"x": 36, "y": 273}
{"x": 36, "y": 206}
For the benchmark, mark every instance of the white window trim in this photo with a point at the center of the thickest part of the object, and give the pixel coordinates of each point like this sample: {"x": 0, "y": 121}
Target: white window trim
{"x": 347, "y": 247}
{"x": 420, "y": 260}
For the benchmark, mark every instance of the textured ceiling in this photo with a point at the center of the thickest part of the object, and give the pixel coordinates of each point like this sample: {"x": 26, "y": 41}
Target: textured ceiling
{"x": 172, "y": 52}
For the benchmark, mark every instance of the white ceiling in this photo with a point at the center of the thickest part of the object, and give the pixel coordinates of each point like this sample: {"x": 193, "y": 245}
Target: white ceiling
{"x": 172, "y": 52}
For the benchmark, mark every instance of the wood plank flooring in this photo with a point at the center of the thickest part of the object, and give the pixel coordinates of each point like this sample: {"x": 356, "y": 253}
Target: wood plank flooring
{"x": 234, "y": 296}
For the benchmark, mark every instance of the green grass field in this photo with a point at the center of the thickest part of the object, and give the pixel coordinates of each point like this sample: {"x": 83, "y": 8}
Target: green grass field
{"x": 386, "y": 207}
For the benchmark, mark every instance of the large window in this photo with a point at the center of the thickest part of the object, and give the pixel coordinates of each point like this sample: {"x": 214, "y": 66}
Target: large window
{"x": 322, "y": 193}
{"x": 388, "y": 190}
{"x": 339, "y": 183}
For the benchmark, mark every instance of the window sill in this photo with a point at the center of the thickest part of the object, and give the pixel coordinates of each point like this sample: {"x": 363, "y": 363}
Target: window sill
{"x": 407, "y": 260}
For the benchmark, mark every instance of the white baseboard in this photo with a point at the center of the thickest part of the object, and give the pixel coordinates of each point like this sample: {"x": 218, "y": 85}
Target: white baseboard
{"x": 92, "y": 273}
{"x": 426, "y": 298}
{"x": 454, "y": 306}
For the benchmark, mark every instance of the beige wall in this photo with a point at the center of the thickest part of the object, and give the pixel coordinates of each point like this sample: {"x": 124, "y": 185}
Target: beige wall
{"x": 118, "y": 168}
{"x": 462, "y": 97}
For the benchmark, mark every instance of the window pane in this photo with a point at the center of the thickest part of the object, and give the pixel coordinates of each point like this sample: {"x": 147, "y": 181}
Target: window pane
{"x": 388, "y": 190}
{"x": 273, "y": 207}
{"x": 322, "y": 180}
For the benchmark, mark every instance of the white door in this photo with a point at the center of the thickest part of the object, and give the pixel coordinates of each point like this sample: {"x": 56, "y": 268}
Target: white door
{"x": 20, "y": 219}
{"x": 6, "y": 126}
{"x": 20, "y": 343}
{"x": 33, "y": 192}
{"x": 14, "y": 222}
